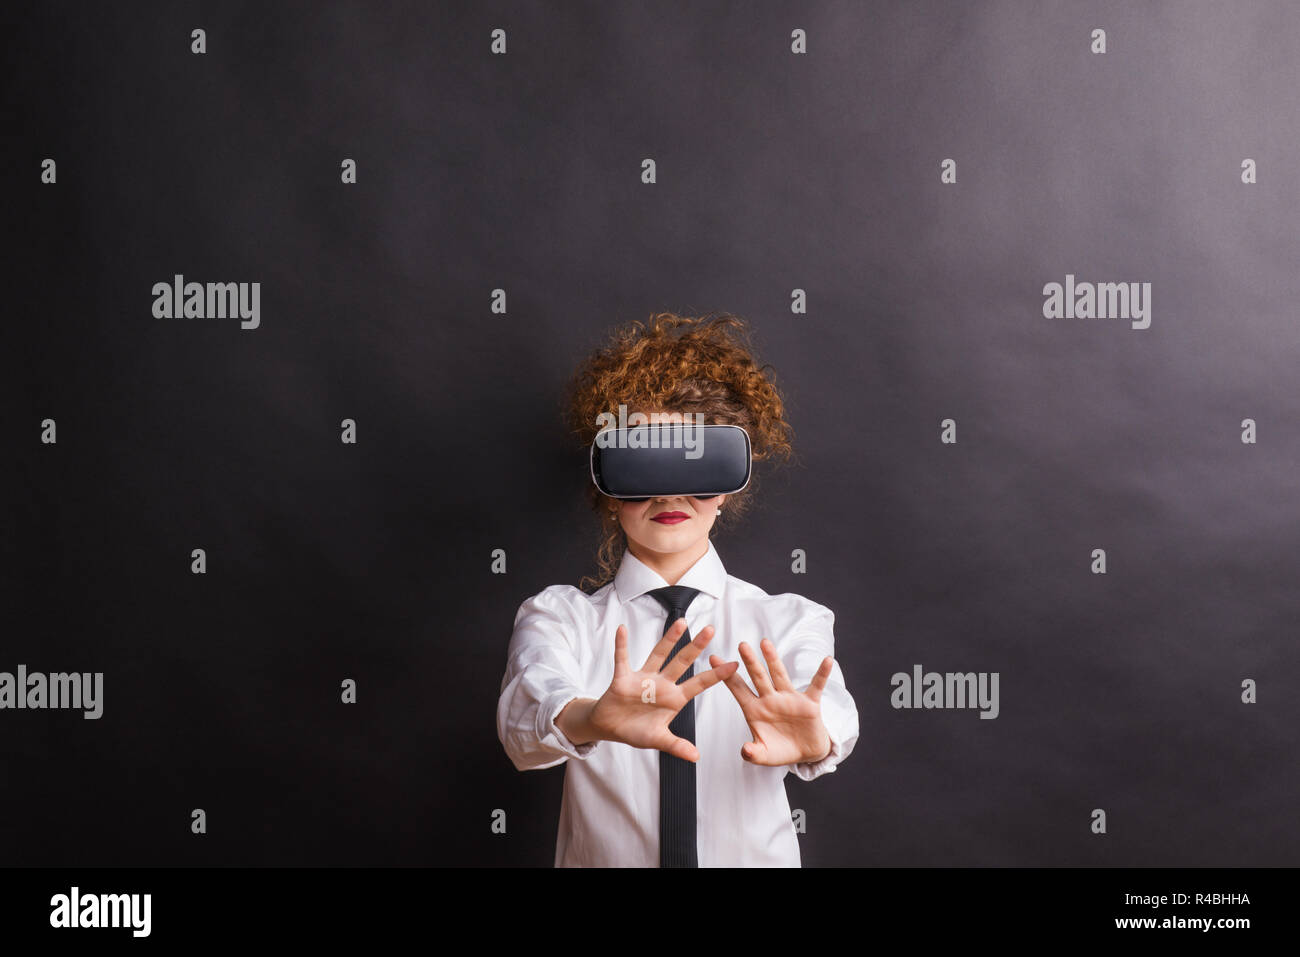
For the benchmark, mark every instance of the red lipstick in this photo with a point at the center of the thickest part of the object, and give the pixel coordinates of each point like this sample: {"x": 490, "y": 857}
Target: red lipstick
{"x": 670, "y": 518}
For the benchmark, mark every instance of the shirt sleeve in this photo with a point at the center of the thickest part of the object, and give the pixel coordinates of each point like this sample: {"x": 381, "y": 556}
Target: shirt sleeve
{"x": 812, "y": 640}
{"x": 542, "y": 676}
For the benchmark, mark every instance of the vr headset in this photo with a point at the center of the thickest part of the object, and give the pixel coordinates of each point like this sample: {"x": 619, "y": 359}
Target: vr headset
{"x": 649, "y": 461}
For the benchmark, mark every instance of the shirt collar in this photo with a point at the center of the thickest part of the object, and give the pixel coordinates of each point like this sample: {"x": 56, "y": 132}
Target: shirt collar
{"x": 635, "y": 578}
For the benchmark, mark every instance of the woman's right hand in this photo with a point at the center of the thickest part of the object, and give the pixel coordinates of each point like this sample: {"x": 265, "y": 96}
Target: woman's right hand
{"x": 638, "y": 706}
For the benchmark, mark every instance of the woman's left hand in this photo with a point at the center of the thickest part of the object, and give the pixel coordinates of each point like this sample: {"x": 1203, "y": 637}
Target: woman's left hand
{"x": 786, "y": 724}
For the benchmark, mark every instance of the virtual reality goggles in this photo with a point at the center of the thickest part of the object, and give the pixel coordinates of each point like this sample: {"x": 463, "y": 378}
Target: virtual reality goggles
{"x": 655, "y": 460}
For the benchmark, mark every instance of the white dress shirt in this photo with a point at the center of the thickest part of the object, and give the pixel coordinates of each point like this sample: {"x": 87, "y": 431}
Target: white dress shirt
{"x": 563, "y": 648}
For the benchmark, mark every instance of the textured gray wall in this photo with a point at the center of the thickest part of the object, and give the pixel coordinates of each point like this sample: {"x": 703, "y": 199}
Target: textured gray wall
{"x": 775, "y": 171}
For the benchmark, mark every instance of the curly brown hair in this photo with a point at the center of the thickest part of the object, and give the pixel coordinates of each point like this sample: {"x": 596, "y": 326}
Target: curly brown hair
{"x": 675, "y": 363}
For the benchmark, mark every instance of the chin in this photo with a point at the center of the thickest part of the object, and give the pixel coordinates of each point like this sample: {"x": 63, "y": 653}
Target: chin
{"x": 666, "y": 541}
{"x": 660, "y": 537}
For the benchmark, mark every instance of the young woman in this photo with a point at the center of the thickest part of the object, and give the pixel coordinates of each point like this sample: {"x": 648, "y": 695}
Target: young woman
{"x": 662, "y": 770}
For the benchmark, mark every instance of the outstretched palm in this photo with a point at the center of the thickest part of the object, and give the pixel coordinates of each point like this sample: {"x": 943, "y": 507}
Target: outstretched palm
{"x": 786, "y": 723}
{"x": 639, "y": 705}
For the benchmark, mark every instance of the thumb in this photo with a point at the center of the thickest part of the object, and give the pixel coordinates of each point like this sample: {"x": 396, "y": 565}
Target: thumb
{"x": 753, "y": 751}
{"x": 681, "y": 748}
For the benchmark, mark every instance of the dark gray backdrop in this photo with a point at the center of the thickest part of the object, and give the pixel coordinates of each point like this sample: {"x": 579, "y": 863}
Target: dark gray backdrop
{"x": 776, "y": 171}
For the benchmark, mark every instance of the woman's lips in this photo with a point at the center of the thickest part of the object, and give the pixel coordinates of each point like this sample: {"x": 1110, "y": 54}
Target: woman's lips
{"x": 670, "y": 518}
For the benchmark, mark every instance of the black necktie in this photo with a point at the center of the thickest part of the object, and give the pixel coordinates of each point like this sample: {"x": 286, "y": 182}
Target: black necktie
{"x": 677, "y": 775}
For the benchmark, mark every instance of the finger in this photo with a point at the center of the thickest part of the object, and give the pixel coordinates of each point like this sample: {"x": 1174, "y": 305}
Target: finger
{"x": 686, "y": 657}
{"x": 819, "y": 680}
{"x": 755, "y": 752}
{"x": 681, "y": 748}
{"x": 659, "y": 653}
{"x": 780, "y": 680}
{"x": 736, "y": 683}
{"x": 621, "y": 666}
{"x": 693, "y": 686}
{"x": 762, "y": 683}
